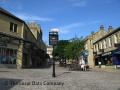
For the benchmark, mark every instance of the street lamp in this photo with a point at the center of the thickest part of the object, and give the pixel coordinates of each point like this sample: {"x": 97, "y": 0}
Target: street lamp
{"x": 53, "y": 40}
{"x": 53, "y": 74}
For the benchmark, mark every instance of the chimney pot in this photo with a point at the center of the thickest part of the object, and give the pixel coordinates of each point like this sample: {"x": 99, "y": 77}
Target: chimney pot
{"x": 110, "y": 29}
{"x": 101, "y": 27}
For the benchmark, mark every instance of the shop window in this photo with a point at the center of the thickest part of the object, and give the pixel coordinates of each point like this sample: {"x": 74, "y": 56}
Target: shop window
{"x": 7, "y": 56}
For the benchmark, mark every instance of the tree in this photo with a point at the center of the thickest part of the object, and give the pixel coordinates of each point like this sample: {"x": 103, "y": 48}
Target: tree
{"x": 69, "y": 49}
{"x": 74, "y": 48}
{"x": 59, "y": 50}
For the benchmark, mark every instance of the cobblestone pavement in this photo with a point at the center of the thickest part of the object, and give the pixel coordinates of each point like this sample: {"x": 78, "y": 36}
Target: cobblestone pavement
{"x": 41, "y": 79}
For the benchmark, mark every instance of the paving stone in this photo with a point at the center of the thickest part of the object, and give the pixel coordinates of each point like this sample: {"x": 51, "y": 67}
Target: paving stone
{"x": 41, "y": 79}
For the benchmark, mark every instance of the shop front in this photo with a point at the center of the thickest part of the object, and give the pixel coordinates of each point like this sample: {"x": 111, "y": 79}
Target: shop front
{"x": 116, "y": 57}
{"x": 106, "y": 58}
{"x": 8, "y": 57}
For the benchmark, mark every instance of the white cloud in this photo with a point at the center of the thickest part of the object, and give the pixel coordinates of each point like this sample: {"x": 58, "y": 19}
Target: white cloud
{"x": 66, "y": 29}
{"x": 78, "y": 3}
{"x": 28, "y": 17}
{"x": 55, "y": 29}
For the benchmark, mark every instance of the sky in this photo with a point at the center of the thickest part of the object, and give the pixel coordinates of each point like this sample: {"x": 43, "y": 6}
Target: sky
{"x": 72, "y": 17}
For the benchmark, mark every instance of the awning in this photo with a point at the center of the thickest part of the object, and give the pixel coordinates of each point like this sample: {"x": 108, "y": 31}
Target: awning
{"x": 117, "y": 51}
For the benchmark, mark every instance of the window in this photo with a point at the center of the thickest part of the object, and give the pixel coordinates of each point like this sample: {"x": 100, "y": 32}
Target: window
{"x": 8, "y": 56}
{"x": 101, "y": 47}
{"x": 109, "y": 41}
{"x": 104, "y": 44}
{"x": 115, "y": 39}
{"x": 96, "y": 47}
{"x": 13, "y": 27}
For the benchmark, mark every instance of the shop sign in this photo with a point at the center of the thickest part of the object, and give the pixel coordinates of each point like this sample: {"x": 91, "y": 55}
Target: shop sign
{"x": 105, "y": 54}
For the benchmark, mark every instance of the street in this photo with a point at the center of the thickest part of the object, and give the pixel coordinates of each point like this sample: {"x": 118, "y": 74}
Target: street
{"x": 41, "y": 79}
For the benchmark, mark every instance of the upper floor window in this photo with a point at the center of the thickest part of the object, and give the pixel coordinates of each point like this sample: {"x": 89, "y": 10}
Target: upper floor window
{"x": 96, "y": 47}
{"x": 101, "y": 47}
{"x": 115, "y": 39}
{"x": 13, "y": 27}
{"x": 109, "y": 41}
{"x": 104, "y": 44}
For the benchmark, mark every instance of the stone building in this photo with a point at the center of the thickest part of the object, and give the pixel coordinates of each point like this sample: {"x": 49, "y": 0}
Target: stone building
{"x": 19, "y": 46}
{"x": 107, "y": 48}
{"x": 89, "y": 44}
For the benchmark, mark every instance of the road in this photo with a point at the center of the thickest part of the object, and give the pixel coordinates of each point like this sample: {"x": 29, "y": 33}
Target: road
{"x": 41, "y": 79}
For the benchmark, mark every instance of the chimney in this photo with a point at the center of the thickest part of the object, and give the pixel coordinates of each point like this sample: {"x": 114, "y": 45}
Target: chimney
{"x": 101, "y": 27}
{"x": 110, "y": 29}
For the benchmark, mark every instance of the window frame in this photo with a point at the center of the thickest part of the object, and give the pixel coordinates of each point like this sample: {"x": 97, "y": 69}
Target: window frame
{"x": 13, "y": 27}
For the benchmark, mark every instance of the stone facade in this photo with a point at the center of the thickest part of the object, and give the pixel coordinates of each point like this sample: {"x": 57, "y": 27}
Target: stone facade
{"x": 107, "y": 47}
{"x": 101, "y": 46}
{"x": 89, "y": 40}
{"x": 18, "y": 43}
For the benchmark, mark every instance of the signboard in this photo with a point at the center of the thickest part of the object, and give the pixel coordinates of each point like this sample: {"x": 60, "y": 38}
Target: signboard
{"x": 53, "y": 38}
{"x": 107, "y": 53}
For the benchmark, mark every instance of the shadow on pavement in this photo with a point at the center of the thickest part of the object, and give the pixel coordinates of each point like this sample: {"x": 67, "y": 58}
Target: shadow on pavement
{"x": 62, "y": 74}
{"x": 40, "y": 67}
{"x": 4, "y": 71}
{"x": 7, "y": 84}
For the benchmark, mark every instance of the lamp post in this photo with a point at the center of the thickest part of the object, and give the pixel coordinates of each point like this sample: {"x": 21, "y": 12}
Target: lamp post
{"x": 53, "y": 74}
{"x": 53, "y": 40}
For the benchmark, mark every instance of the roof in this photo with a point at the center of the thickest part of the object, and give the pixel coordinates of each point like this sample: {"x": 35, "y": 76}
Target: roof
{"x": 10, "y": 14}
{"x": 112, "y": 32}
{"x": 5, "y": 12}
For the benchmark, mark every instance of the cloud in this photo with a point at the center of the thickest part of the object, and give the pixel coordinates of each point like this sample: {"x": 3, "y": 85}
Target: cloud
{"x": 66, "y": 29}
{"x": 28, "y": 17}
{"x": 78, "y": 3}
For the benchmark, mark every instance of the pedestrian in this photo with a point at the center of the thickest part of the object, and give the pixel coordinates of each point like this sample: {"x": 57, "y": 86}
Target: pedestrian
{"x": 83, "y": 67}
{"x": 99, "y": 64}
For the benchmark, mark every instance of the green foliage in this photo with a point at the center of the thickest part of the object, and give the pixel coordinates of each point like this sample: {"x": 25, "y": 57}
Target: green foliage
{"x": 59, "y": 50}
{"x": 74, "y": 48}
{"x": 69, "y": 49}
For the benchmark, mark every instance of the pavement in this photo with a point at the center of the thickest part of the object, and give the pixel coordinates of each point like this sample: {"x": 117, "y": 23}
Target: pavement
{"x": 41, "y": 79}
{"x": 106, "y": 69}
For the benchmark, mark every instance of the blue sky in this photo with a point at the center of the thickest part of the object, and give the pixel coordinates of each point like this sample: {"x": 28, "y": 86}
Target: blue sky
{"x": 72, "y": 17}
